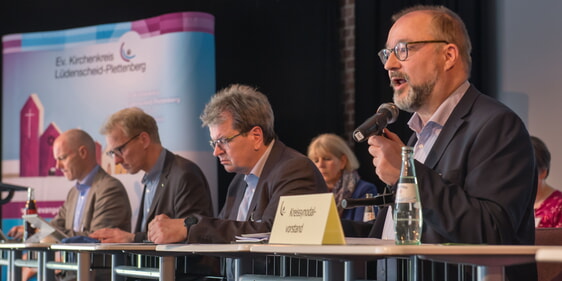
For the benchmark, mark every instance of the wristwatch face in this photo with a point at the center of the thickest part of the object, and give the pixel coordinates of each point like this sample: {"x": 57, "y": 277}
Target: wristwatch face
{"x": 189, "y": 221}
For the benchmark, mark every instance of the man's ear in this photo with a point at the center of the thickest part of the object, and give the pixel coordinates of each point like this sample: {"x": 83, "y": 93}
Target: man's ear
{"x": 82, "y": 152}
{"x": 145, "y": 139}
{"x": 257, "y": 135}
{"x": 452, "y": 57}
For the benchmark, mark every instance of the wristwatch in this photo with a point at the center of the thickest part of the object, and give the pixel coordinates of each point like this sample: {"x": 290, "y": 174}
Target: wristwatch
{"x": 189, "y": 221}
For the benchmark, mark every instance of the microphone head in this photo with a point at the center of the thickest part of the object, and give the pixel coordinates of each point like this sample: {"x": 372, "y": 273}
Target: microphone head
{"x": 392, "y": 110}
{"x": 387, "y": 113}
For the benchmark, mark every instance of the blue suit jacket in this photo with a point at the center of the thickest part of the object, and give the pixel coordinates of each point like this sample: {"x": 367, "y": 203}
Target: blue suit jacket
{"x": 362, "y": 188}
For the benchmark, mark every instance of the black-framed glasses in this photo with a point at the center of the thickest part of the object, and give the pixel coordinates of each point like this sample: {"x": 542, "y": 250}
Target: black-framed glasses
{"x": 222, "y": 142}
{"x": 119, "y": 150}
{"x": 401, "y": 50}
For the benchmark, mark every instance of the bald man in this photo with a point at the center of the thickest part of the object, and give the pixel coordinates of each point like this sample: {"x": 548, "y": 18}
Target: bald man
{"x": 97, "y": 200}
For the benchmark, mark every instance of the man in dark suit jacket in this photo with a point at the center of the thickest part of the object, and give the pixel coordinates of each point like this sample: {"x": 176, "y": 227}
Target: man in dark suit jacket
{"x": 474, "y": 159}
{"x": 240, "y": 121}
{"x": 174, "y": 186}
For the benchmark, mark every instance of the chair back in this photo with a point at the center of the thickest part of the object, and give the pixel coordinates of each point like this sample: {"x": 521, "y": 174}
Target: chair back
{"x": 549, "y": 271}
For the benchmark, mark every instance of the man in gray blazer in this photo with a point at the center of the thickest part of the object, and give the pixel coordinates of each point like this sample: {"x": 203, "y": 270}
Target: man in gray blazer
{"x": 98, "y": 200}
{"x": 240, "y": 121}
{"x": 174, "y": 186}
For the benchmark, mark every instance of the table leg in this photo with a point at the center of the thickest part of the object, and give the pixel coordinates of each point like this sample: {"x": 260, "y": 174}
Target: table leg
{"x": 14, "y": 273}
{"x": 167, "y": 268}
{"x": 413, "y": 270}
{"x": 490, "y": 273}
{"x": 84, "y": 260}
{"x": 40, "y": 265}
{"x": 283, "y": 265}
{"x": 332, "y": 270}
{"x": 349, "y": 271}
{"x": 47, "y": 256}
{"x": 116, "y": 260}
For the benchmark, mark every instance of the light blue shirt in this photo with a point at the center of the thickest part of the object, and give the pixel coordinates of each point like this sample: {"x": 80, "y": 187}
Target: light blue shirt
{"x": 252, "y": 180}
{"x": 427, "y": 134}
{"x": 83, "y": 187}
{"x": 150, "y": 180}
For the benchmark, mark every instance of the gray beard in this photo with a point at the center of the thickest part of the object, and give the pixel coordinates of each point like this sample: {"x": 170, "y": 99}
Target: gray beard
{"x": 415, "y": 98}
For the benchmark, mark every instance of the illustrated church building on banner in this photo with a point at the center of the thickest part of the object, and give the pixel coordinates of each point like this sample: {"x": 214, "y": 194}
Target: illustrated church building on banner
{"x": 31, "y": 125}
{"x": 36, "y": 146}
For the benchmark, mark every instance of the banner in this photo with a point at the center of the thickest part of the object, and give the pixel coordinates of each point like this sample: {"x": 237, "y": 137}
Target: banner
{"x": 76, "y": 78}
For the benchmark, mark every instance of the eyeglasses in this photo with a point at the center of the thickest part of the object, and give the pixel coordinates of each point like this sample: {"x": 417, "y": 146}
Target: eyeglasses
{"x": 222, "y": 142}
{"x": 119, "y": 150}
{"x": 401, "y": 50}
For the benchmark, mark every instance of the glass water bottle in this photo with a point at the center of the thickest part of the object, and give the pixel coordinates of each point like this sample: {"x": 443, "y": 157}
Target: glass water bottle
{"x": 407, "y": 207}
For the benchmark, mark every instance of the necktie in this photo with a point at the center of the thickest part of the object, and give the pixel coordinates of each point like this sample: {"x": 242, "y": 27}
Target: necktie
{"x": 251, "y": 181}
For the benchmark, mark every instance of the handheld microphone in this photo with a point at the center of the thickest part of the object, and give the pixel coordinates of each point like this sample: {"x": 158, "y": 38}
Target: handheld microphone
{"x": 386, "y": 114}
{"x": 379, "y": 200}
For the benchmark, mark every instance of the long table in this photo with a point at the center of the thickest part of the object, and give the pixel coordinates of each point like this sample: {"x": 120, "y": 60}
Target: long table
{"x": 490, "y": 259}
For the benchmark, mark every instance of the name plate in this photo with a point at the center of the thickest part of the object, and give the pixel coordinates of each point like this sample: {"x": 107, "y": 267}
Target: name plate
{"x": 307, "y": 219}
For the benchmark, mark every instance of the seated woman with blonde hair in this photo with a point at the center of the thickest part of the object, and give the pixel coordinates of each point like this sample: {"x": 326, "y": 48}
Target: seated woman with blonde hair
{"x": 338, "y": 166}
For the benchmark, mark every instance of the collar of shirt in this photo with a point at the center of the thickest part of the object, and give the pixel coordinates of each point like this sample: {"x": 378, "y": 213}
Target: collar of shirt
{"x": 153, "y": 176}
{"x": 258, "y": 168}
{"x": 87, "y": 181}
{"x": 251, "y": 180}
{"x": 150, "y": 180}
{"x": 428, "y": 133}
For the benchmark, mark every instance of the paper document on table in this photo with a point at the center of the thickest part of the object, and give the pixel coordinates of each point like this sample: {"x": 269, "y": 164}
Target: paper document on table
{"x": 253, "y": 238}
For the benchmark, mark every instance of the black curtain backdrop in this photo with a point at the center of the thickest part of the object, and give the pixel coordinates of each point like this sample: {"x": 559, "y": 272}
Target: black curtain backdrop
{"x": 287, "y": 48}
{"x": 372, "y": 83}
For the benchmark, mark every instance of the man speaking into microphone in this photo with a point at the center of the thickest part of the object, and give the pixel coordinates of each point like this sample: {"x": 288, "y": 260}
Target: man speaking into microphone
{"x": 474, "y": 159}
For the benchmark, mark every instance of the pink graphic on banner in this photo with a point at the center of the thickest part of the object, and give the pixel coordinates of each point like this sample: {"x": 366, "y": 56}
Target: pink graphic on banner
{"x": 31, "y": 122}
{"x": 12, "y": 41}
{"x": 167, "y": 23}
{"x": 46, "y": 209}
{"x": 175, "y": 22}
{"x": 47, "y": 162}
